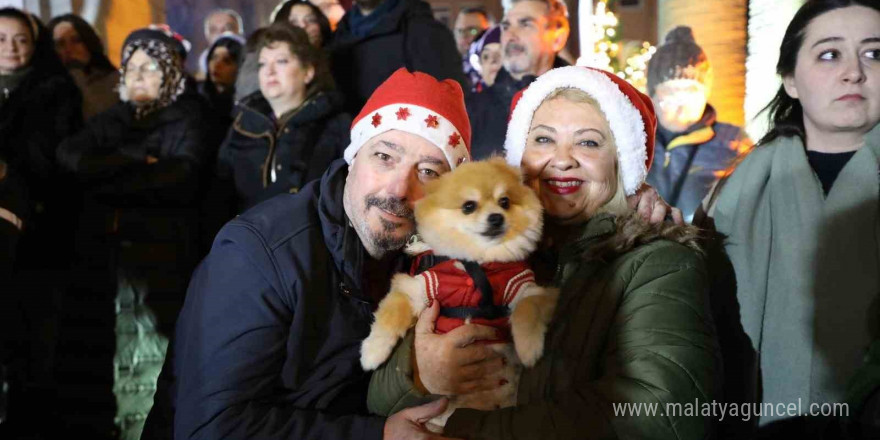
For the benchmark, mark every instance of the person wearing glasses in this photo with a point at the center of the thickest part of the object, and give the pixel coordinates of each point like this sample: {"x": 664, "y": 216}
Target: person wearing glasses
{"x": 138, "y": 164}
{"x": 469, "y": 25}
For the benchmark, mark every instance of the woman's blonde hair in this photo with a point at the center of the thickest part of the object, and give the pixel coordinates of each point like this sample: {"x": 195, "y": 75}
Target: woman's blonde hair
{"x": 617, "y": 204}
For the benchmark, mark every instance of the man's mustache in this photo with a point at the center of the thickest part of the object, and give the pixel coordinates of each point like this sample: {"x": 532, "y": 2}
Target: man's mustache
{"x": 392, "y": 205}
{"x": 513, "y": 47}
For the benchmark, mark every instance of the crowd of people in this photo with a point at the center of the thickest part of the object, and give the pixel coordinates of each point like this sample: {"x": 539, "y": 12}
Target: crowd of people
{"x": 199, "y": 254}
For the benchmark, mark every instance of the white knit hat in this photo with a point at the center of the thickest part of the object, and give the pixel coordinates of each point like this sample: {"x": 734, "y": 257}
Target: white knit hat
{"x": 630, "y": 115}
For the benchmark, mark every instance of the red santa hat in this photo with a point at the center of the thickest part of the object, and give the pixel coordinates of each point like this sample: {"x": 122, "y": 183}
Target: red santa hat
{"x": 630, "y": 115}
{"x": 416, "y": 103}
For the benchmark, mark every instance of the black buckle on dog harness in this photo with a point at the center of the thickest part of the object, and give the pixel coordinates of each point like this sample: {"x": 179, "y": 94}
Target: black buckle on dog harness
{"x": 487, "y": 308}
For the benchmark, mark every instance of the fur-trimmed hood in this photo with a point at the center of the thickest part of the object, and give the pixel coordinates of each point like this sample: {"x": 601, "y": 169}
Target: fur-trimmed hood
{"x": 606, "y": 237}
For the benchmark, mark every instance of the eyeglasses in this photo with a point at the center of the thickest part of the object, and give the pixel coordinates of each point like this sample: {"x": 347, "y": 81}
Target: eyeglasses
{"x": 146, "y": 69}
{"x": 471, "y": 31}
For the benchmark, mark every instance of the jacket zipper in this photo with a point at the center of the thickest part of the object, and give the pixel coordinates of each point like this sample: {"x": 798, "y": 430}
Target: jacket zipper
{"x": 269, "y": 172}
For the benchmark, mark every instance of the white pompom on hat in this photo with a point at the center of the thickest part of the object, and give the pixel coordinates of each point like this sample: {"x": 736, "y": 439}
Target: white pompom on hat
{"x": 630, "y": 115}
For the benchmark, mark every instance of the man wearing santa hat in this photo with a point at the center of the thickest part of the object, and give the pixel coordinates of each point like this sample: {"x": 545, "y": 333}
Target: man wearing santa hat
{"x": 268, "y": 342}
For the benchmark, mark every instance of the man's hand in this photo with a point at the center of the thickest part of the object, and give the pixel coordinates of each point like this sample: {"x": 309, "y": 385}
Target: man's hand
{"x": 410, "y": 423}
{"x": 651, "y": 207}
{"x": 151, "y": 159}
{"x": 452, "y": 364}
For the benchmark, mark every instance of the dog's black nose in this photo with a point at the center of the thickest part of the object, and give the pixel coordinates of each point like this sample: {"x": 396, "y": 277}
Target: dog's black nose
{"x": 496, "y": 220}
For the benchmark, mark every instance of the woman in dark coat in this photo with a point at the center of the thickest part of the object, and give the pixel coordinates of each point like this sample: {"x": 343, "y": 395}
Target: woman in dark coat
{"x": 39, "y": 106}
{"x": 82, "y": 53}
{"x": 223, "y": 61}
{"x": 139, "y": 167}
{"x": 288, "y": 133}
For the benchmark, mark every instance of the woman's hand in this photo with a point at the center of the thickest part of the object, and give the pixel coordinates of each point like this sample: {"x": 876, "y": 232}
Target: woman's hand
{"x": 651, "y": 207}
{"x": 451, "y": 363}
{"x": 410, "y": 423}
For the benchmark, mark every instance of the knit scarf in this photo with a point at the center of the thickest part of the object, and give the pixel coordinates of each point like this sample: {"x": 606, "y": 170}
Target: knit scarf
{"x": 807, "y": 267}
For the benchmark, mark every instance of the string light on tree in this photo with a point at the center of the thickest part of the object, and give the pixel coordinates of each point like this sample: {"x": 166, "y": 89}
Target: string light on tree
{"x": 628, "y": 60}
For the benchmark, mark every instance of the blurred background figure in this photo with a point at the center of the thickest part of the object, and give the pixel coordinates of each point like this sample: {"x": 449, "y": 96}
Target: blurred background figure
{"x": 138, "y": 164}
{"x": 305, "y": 15}
{"x": 39, "y": 106}
{"x": 216, "y": 23}
{"x": 469, "y": 25}
{"x": 377, "y": 37}
{"x": 288, "y": 131}
{"x": 693, "y": 148}
{"x": 248, "y": 81}
{"x": 332, "y": 9}
{"x": 82, "y": 53}
{"x": 533, "y": 32}
{"x": 224, "y": 60}
{"x": 485, "y": 58}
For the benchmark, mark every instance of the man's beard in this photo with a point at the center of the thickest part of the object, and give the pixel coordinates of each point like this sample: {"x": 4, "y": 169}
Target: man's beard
{"x": 379, "y": 244}
{"x": 515, "y": 65}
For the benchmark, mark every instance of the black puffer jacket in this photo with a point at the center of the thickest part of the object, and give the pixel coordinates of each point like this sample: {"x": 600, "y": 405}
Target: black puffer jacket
{"x": 406, "y": 36}
{"x": 263, "y": 157}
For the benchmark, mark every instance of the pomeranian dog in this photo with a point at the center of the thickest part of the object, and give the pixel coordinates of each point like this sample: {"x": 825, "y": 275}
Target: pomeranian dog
{"x": 476, "y": 226}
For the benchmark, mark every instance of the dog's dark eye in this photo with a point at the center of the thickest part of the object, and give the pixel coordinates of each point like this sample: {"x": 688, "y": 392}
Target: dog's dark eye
{"x": 469, "y": 207}
{"x": 504, "y": 203}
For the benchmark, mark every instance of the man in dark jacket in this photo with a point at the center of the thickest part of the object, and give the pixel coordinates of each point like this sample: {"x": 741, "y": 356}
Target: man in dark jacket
{"x": 377, "y": 37}
{"x": 693, "y": 148}
{"x": 532, "y": 34}
{"x": 268, "y": 342}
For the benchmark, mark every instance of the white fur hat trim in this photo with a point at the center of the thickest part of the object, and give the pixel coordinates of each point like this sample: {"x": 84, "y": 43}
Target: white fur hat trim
{"x": 624, "y": 119}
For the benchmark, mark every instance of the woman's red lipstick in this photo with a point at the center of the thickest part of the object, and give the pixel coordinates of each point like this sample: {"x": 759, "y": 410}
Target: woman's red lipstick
{"x": 563, "y": 185}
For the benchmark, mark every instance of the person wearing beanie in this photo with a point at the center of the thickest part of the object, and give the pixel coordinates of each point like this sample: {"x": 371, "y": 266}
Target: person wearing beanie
{"x": 635, "y": 327}
{"x": 267, "y": 345}
{"x": 693, "y": 148}
{"x": 485, "y": 58}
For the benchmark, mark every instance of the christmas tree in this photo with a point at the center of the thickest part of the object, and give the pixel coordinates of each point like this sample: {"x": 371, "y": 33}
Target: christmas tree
{"x": 629, "y": 60}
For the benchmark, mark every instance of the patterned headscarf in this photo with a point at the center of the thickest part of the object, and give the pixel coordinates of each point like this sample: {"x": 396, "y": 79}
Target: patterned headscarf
{"x": 170, "y": 64}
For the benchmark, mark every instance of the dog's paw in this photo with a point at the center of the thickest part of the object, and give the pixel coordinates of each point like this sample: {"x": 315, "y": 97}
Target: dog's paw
{"x": 375, "y": 350}
{"x": 529, "y": 343}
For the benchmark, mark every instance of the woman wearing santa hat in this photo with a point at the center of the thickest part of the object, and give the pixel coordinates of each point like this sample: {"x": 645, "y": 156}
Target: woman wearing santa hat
{"x": 633, "y": 323}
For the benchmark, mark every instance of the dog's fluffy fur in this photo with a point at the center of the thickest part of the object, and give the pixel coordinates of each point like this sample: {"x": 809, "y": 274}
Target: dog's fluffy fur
{"x": 449, "y": 229}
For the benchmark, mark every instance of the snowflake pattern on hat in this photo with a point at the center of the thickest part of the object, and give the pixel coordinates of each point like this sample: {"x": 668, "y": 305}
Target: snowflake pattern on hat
{"x": 454, "y": 140}
{"x": 402, "y": 114}
{"x": 419, "y": 104}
